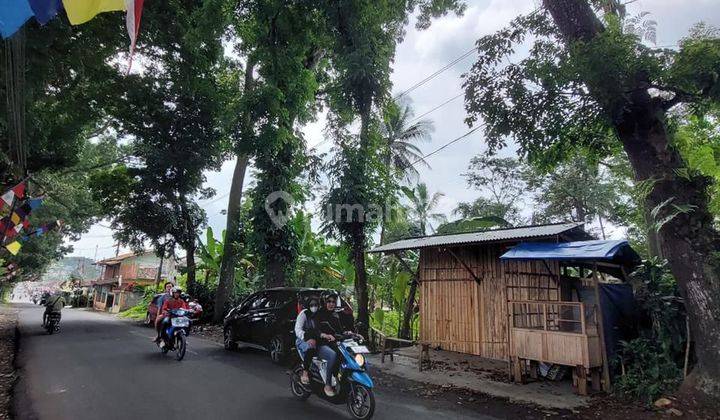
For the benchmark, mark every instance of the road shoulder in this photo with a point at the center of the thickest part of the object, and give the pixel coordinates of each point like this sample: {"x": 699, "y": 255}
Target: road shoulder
{"x": 8, "y": 347}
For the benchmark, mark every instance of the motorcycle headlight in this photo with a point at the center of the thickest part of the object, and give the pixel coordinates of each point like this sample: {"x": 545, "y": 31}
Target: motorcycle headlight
{"x": 360, "y": 360}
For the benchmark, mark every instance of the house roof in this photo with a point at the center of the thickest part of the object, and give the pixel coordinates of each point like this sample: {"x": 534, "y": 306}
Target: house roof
{"x": 615, "y": 251}
{"x": 573, "y": 229}
{"x": 118, "y": 259}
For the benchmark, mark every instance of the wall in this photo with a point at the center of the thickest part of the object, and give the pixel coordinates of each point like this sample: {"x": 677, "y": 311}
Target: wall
{"x": 461, "y": 315}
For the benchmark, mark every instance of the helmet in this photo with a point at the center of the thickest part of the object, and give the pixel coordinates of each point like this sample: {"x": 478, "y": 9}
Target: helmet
{"x": 176, "y": 290}
{"x": 330, "y": 295}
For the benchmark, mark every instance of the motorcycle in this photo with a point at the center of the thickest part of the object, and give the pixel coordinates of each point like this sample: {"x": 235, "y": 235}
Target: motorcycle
{"x": 53, "y": 322}
{"x": 352, "y": 384}
{"x": 174, "y": 337}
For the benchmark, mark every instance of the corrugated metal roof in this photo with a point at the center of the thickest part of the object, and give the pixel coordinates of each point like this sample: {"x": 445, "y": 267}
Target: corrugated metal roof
{"x": 498, "y": 235}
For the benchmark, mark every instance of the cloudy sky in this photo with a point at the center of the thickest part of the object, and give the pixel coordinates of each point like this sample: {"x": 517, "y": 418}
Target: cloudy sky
{"x": 421, "y": 54}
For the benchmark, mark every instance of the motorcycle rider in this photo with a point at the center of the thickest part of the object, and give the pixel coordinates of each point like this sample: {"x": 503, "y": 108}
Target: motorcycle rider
{"x": 308, "y": 340}
{"x": 161, "y": 300}
{"x": 175, "y": 302}
{"x": 330, "y": 323}
{"x": 53, "y": 305}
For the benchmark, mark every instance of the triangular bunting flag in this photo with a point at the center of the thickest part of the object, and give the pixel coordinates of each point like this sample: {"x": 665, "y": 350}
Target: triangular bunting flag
{"x": 81, "y": 11}
{"x": 8, "y": 197}
{"x": 45, "y": 10}
{"x": 14, "y": 247}
{"x": 35, "y": 203}
{"x": 14, "y": 15}
{"x": 19, "y": 190}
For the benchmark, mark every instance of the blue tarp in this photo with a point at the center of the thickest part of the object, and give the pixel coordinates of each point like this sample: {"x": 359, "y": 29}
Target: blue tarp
{"x": 568, "y": 251}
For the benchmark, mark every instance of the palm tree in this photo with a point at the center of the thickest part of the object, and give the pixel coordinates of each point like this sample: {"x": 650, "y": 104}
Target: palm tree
{"x": 422, "y": 206}
{"x": 400, "y": 132}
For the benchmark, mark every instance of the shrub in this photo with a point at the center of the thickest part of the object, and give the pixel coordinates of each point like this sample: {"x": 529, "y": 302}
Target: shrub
{"x": 652, "y": 363}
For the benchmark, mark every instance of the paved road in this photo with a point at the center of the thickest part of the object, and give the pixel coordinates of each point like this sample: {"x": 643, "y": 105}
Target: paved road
{"x": 100, "y": 367}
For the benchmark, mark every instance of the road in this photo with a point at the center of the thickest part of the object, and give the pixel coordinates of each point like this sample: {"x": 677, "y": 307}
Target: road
{"x": 99, "y": 367}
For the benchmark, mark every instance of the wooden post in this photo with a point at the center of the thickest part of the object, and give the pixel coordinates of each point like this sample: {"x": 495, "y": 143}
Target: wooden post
{"x": 534, "y": 369}
{"x": 595, "y": 379}
{"x": 544, "y": 305}
{"x": 581, "y": 380}
{"x": 582, "y": 318}
{"x": 601, "y": 332}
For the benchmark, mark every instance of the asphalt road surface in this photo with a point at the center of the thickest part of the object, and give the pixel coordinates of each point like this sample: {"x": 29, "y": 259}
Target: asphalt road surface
{"x": 99, "y": 367}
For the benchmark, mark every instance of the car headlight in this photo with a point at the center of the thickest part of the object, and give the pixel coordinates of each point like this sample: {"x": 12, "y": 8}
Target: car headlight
{"x": 360, "y": 360}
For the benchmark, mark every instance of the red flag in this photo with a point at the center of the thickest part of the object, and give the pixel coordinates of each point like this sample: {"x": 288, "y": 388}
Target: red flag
{"x": 132, "y": 22}
{"x": 19, "y": 190}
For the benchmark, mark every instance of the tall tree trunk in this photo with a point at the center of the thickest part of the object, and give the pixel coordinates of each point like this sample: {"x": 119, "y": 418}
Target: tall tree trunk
{"x": 359, "y": 238}
{"x": 191, "y": 266}
{"x": 687, "y": 240}
{"x": 232, "y": 233}
{"x": 405, "y": 331}
{"x": 361, "y": 287}
{"x": 229, "y": 260}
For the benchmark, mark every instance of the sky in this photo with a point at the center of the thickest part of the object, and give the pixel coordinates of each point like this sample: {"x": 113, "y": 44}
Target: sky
{"x": 420, "y": 54}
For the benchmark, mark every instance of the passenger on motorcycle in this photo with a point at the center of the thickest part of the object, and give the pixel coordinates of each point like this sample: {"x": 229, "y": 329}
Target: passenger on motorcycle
{"x": 175, "y": 302}
{"x": 309, "y": 342}
{"x": 53, "y": 304}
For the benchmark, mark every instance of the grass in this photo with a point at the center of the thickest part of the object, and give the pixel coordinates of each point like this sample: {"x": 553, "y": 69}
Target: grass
{"x": 137, "y": 312}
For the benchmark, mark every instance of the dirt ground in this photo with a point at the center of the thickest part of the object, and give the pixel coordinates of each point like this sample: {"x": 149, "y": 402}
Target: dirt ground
{"x": 8, "y": 322}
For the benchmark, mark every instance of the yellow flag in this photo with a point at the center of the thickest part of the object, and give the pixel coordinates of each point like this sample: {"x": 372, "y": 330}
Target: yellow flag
{"x": 14, "y": 247}
{"x": 81, "y": 11}
{"x": 15, "y": 218}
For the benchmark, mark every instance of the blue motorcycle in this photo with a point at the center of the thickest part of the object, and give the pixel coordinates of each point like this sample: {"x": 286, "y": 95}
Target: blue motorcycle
{"x": 352, "y": 384}
{"x": 174, "y": 337}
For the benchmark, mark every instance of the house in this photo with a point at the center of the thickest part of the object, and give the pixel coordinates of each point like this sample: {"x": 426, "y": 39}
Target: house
{"x": 115, "y": 289}
{"x": 477, "y": 297}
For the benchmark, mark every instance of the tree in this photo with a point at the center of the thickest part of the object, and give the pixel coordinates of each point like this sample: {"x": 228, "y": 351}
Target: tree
{"x": 400, "y": 131}
{"x": 56, "y": 92}
{"x": 589, "y": 83}
{"x": 171, "y": 117}
{"x": 364, "y": 37}
{"x": 574, "y": 190}
{"x": 422, "y": 206}
{"x": 502, "y": 180}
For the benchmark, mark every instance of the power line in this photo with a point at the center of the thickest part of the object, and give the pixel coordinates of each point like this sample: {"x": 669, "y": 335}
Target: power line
{"x": 215, "y": 200}
{"x": 451, "y": 142}
{"x": 438, "y": 72}
{"x": 436, "y": 108}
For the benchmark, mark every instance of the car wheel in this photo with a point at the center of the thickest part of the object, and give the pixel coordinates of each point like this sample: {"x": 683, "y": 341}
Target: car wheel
{"x": 278, "y": 349}
{"x": 228, "y": 343}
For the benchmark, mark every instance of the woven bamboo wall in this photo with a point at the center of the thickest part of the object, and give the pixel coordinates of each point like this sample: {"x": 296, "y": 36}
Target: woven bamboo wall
{"x": 459, "y": 315}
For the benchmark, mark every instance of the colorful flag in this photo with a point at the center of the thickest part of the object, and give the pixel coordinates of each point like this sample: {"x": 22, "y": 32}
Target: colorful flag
{"x": 45, "y": 10}
{"x": 14, "y": 247}
{"x": 13, "y": 15}
{"x": 81, "y": 11}
{"x": 16, "y": 191}
{"x": 19, "y": 190}
{"x": 34, "y": 203}
{"x": 15, "y": 218}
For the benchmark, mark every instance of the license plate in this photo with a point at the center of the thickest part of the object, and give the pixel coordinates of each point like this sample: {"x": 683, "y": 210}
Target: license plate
{"x": 360, "y": 349}
{"x": 180, "y": 322}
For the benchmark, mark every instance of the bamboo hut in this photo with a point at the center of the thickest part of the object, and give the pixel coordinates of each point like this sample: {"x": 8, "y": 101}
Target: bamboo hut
{"x": 523, "y": 308}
